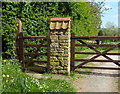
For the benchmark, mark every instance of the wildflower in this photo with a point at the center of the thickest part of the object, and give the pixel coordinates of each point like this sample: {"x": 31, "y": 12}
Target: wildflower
{"x": 17, "y": 24}
{"x": 8, "y": 75}
{"x": 12, "y": 81}
{"x": 6, "y": 81}
{"x": 3, "y": 75}
{"x": 4, "y": 60}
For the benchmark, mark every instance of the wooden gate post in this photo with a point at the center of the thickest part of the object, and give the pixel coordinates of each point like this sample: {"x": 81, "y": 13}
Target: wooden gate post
{"x": 20, "y": 43}
{"x": 21, "y": 49}
{"x": 72, "y": 52}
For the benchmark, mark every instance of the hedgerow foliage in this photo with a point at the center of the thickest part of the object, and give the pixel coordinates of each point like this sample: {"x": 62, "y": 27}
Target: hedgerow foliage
{"x": 35, "y": 17}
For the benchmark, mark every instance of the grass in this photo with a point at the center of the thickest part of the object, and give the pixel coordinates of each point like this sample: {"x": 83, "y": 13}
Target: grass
{"x": 14, "y": 80}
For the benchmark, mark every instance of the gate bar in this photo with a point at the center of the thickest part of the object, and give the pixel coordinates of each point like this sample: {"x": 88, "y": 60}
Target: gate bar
{"x": 96, "y": 53}
{"x": 100, "y": 68}
{"x": 32, "y": 37}
{"x": 97, "y": 60}
{"x": 97, "y": 38}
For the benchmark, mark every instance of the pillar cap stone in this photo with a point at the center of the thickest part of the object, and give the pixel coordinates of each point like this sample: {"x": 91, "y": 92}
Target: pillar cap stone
{"x": 60, "y": 23}
{"x": 60, "y": 19}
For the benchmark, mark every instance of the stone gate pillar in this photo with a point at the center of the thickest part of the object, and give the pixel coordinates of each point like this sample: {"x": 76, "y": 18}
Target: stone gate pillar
{"x": 59, "y": 56}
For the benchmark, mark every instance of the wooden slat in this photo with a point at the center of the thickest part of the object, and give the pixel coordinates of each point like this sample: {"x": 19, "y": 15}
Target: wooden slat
{"x": 35, "y": 45}
{"x": 93, "y": 45}
{"x": 21, "y": 50}
{"x": 96, "y": 53}
{"x": 100, "y": 68}
{"x": 39, "y": 61}
{"x": 72, "y": 51}
{"x": 38, "y": 48}
{"x": 33, "y": 37}
{"x": 97, "y": 60}
{"x": 48, "y": 53}
{"x": 89, "y": 46}
{"x": 97, "y": 38}
{"x": 112, "y": 53}
{"x": 29, "y": 53}
{"x": 35, "y": 61}
{"x": 85, "y": 53}
{"x": 107, "y": 57}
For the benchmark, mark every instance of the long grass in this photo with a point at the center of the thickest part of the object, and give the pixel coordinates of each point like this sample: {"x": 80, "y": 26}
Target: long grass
{"x": 14, "y": 80}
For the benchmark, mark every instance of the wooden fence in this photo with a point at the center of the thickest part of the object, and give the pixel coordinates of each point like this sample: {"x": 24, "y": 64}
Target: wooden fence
{"x": 44, "y": 41}
{"x": 96, "y": 52}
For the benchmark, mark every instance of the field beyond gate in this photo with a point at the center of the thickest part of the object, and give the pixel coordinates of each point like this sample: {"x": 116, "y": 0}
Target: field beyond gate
{"x": 96, "y": 52}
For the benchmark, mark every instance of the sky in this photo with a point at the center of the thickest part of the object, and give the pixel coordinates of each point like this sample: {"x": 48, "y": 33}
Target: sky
{"x": 112, "y": 14}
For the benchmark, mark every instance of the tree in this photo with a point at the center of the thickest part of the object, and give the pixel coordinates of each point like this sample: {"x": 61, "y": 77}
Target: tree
{"x": 35, "y": 17}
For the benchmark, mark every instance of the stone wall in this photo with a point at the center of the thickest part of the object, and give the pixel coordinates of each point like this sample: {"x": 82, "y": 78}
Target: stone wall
{"x": 60, "y": 51}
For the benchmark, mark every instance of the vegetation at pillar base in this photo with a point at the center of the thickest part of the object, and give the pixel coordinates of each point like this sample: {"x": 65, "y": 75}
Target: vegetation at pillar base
{"x": 16, "y": 81}
{"x": 35, "y": 17}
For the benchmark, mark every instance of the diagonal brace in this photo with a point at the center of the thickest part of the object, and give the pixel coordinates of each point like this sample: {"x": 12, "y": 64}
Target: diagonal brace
{"x": 101, "y": 54}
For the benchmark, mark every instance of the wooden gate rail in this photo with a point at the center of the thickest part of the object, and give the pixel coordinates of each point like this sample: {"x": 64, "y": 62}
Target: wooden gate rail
{"x": 20, "y": 38}
{"x": 32, "y": 37}
{"x": 95, "y": 53}
{"x": 19, "y": 43}
{"x": 97, "y": 38}
{"x": 33, "y": 55}
{"x": 98, "y": 53}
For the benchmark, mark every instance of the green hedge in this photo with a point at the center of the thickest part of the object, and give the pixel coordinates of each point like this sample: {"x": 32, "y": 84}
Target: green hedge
{"x": 35, "y": 17}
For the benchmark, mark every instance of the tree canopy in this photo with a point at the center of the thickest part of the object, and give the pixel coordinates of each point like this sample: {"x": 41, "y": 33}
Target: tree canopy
{"x": 35, "y": 17}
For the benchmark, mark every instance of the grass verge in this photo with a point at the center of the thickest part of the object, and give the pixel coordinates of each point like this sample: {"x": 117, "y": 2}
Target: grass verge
{"x": 14, "y": 80}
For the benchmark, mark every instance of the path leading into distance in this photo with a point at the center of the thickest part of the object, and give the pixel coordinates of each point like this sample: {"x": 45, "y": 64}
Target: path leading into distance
{"x": 99, "y": 80}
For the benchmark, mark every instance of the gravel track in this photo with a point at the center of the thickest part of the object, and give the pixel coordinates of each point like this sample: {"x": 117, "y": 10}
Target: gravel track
{"x": 99, "y": 80}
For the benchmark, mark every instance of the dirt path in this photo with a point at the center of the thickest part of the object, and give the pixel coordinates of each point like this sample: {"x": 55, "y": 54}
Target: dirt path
{"x": 99, "y": 80}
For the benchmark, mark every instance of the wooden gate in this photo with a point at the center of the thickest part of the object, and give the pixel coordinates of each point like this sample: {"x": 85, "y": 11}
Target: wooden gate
{"x": 31, "y": 50}
{"x": 96, "y": 53}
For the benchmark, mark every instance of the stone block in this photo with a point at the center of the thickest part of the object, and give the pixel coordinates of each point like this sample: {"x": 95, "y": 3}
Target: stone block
{"x": 63, "y": 44}
{"x": 54, "y": 71}
{"x": 64, "y": 55}
{"x": 54, "y": 37}
{"x": 59, "y": 68}
{"x": 67, "y": 33}
{"x": 54, "y": 45}
{"x": 65, "y": 58}
{"x": 54, "y": 54}
{"x": 65, "y": 68}
{"x": 53, "y": 32}
{"x": 60, "y": 33}
{"x": 61, "y": 62}
{"x": 64, "y": 37}
{"x": 64, "y": 47}
{"x": 63, "y": 41}
{"x": 66, "y": 63}
{"x": 54, "y": 51}
{"x": 60, "y": 58}
{"x": 54, "y": 63}
{"x": 53, "y": 58}
{"x": 62, "y": 71}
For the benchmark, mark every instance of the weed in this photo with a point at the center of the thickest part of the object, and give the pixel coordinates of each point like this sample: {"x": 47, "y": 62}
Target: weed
{"x": 14, "y": 80}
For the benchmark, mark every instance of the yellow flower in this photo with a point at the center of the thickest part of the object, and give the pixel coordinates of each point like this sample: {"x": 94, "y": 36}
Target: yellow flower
{"x": 6, "y": 81}
{"x": 3, "y": 75}
{"x": 17, "y": 24}
{"x": 12, "y": 81}
{"x": 8, "y": 75}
